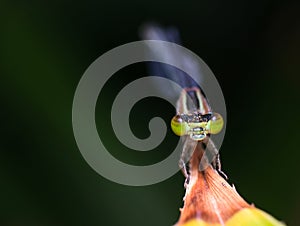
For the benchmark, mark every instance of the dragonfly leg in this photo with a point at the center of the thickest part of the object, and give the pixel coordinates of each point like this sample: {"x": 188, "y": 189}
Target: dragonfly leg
{"x": 212, "y": 153}
{"x": 185, "y": 172}
{"x": 218, "y": 166}
{"x": 187, "y": 151}
{"x": 209, "y": 155}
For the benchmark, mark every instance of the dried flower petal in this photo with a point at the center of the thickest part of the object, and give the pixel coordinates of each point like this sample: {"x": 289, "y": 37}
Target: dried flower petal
{"x": 211, "y": 201}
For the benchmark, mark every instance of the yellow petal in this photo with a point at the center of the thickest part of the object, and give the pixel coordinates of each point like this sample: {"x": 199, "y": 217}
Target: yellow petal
{"x": 252, "y": 216}
{"x": 245, "y": 217}
{"x": 198, "y": 223}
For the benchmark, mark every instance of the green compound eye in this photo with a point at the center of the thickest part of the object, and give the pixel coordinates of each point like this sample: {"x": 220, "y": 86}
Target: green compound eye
{"x": 215, "y": 124}
{"x": 179, "y": 126}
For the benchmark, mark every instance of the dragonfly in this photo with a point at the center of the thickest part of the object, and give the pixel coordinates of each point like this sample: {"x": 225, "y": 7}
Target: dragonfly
{"x": 195, "y": 124}
{"x": 194, "y": 120}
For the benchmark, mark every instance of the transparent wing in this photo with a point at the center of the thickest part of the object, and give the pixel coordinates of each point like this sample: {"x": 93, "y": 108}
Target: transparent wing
{"x": 189, "y": 147}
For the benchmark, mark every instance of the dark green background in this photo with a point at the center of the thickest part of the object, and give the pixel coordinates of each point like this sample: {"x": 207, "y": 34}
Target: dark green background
{"x": 45, "y": 46}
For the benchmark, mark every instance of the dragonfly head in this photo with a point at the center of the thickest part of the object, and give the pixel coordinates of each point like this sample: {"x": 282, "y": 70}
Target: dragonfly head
{"x": 196, "y": 125}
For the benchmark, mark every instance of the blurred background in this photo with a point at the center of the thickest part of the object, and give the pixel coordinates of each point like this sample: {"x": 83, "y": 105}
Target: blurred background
{"x": 45, "y": 46}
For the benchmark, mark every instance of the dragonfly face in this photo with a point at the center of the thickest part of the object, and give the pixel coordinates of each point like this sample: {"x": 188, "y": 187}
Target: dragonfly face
{"x": 194, "y": 117}
{"x": 196, "y": 125}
